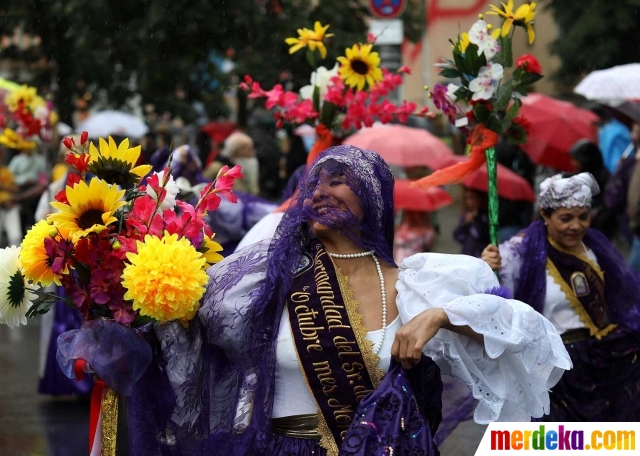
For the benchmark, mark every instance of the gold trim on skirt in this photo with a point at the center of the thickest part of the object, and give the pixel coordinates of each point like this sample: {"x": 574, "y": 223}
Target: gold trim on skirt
{"x": 299, "y": 426}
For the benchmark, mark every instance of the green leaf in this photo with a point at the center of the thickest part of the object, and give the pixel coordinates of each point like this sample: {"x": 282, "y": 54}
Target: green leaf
{"x": 39, "y": 308}
{"x": 511, "y": 114}
{"x": 529, "y": 78}
{"x": 505, "y": 56}
{"x": 450, "y": 73}
{"x": 504, "y": 95}
{"x": 141, "y": 320}
{"x": 464, "y": 93}
{"x": 316, "y": 98}
{"x": 472, "y": 60}
{"x": 328, "y": 113}
{"x": 481, "y": 112}
{"x": 460, "y": 63}
{"x": 311, "y": 59}
{"x": 493, "y": 124}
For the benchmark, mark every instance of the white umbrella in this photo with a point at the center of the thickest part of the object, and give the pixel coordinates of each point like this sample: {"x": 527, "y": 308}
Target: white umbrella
{"x": 105, "y": 123}
{"x": 618, "y": 83}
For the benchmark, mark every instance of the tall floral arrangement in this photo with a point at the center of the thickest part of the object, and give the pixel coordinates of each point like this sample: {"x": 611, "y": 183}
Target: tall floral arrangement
{"x": 126, "y": 252}
{"x": 350, "y": 94}
{"x": 485, "y": 98}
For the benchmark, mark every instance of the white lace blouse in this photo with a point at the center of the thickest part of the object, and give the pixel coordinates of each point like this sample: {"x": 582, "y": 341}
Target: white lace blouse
{"x": 557, "y": 308}
{"x": 510, "y": 375}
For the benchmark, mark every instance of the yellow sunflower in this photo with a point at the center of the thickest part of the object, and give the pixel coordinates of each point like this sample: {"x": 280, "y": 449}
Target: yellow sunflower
{"x": 90, "y": 209}
{"x": 165, "y": 279}
{"x": 28, "y": 95}
{"x": 11, "y": 139}
{"x": 212, "y": 247}
{"x": 313, "y": 39}
{"x": 523, "y": 17}
{"x": 360, "y": 66}
{"x": 117, "y": 164}
{"x": 33, "y": 256}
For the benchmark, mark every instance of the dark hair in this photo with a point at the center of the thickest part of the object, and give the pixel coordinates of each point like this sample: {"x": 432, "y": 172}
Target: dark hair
{"x": 588, "y": 155}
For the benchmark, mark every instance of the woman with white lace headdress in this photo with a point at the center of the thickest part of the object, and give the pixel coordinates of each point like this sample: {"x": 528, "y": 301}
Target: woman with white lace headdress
{"x": 574, "y": 276}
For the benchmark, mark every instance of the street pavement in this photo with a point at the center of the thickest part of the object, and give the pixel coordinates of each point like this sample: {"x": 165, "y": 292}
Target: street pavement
{"x": 37, "y": 425}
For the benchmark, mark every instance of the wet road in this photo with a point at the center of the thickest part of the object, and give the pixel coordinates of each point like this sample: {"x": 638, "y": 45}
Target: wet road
{"x": 37, "y": 425}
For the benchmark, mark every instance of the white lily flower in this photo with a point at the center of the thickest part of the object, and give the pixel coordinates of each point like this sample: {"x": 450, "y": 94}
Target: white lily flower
{"x": 171, "y": 188}
{"x": 483, "y": 86}
{"x": 480, "y": 36}
{"x": 320, "y": 78}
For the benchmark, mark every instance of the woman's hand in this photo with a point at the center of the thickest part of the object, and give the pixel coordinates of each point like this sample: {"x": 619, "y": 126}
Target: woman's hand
{"x": 412, "y": 337}
{"x": 491, "y": 256}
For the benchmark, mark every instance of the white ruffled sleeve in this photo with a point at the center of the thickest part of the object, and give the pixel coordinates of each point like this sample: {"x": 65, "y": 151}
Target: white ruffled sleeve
{"x": 523, "y": 355}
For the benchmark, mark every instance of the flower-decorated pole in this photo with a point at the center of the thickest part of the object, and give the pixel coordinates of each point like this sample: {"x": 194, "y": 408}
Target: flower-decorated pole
{"x": 486, "y": 102}
{"x": 493, "y": 202}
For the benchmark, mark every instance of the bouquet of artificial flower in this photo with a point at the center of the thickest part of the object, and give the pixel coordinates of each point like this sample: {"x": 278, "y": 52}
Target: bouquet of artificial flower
{"x": 26, "y": 117}
{"x": 485, "y": 99}
{"x": 120, "y": 250}
{"x": 355, "y": 87}
{"x": 125, "y": 254}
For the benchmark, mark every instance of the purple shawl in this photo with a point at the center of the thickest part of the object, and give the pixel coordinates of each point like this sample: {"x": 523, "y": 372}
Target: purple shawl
{"x": 622, "y": 284}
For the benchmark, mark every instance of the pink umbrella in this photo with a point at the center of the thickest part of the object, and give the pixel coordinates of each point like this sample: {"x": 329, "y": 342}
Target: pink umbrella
{"x": 511, "y": 186}
{"x": 403, "y": 146}
{"x": 412, "y": 198}
{"x": 555, "y": 126}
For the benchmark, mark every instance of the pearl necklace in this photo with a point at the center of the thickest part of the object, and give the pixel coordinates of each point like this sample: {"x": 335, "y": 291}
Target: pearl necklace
{"x": 376, "y": 347}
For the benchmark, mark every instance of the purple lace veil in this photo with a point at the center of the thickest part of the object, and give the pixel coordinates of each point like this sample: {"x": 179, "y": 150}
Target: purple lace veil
{"x": 622, "y": 284}
{"x": 223, "y": 399}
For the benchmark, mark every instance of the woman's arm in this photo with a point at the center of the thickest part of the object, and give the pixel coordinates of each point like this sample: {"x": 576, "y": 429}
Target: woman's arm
{"x": 412, "y": 337}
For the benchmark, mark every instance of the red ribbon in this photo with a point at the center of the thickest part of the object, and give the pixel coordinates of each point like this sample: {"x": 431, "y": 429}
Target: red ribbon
{"x": 96, "y": 399}
{"x": 94, "y": 416}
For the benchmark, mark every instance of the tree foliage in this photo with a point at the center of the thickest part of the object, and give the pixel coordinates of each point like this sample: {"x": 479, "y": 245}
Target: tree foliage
{"x": 594, "y": 34}
{"x": 124, "y": 47}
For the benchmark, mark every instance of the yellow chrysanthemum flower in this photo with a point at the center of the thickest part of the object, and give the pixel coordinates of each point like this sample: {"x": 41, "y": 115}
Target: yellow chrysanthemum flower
{"x": 33, "y": 256}
{"x": 360, "y": 66}
{"x": 313, "y": 39}
{"x": 90, "y": 209}
{"x": 211, "y": 256}
{"x": 523, "y": 17}
{"x": 117, "y": 164}
{"x": 166, "y": 278}
{"x": 28, "y": 95}
{"x": 11, "y": 139}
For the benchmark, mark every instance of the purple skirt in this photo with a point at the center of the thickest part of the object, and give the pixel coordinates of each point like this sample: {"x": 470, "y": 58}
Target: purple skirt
{"x": 604, "y": 384}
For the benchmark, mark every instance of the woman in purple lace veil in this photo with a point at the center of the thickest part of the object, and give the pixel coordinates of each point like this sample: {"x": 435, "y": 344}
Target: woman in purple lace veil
{"x": 575, "y": 277}
{"x": 292, "y": 349}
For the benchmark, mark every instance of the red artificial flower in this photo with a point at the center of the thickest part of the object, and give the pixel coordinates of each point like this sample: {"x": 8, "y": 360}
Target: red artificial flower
{"x": 79, "y": 162}
{"x": 84, "y": 136}
{"x": 69, "y": 142}
{"x": 529, "y": 64}
{"x": 524, "y": 123}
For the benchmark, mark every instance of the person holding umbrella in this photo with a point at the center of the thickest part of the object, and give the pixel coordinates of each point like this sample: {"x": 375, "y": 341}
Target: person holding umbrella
{"x": 575, "y": 277}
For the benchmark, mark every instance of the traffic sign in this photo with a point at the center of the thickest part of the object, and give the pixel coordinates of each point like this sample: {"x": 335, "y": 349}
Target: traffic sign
{"x": 386, "y": 9}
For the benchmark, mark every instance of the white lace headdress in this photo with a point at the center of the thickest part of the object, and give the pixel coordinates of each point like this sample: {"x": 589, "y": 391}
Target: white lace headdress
{"x": 568, "y": 192}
